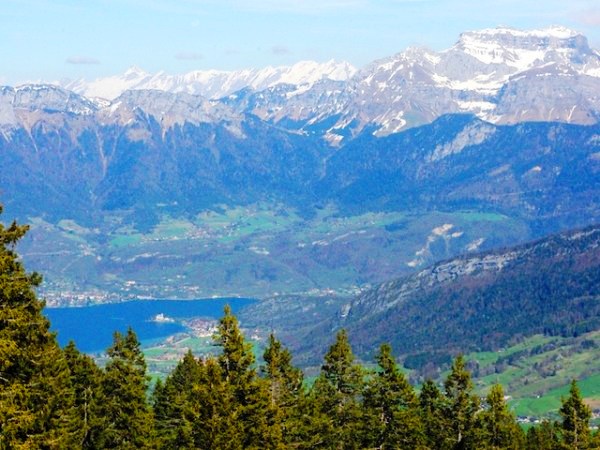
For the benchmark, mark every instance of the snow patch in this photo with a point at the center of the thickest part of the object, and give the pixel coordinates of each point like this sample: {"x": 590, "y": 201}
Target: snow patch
{"x": 215, "y": 83}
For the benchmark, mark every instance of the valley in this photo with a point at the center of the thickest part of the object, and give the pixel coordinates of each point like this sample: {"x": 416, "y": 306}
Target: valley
{"x": 254, "y": 251}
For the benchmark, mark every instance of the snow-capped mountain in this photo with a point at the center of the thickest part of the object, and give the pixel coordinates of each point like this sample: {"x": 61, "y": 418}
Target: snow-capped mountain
{"x": 214, "y": 83}
{"x": 501, "y": 75}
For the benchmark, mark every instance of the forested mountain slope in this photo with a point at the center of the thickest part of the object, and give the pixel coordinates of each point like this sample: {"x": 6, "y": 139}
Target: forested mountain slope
{"x": 476, "y": 302}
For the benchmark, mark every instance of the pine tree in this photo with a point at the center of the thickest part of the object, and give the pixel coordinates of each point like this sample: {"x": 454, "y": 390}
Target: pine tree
{"x": 285, "y": 380}
{"x": 251, "y": 394}
{"x": 462, "y": 404}
{"x": 85, "y": 377}
{"x": 236, "y": 359}
{"x": 36, "y": 399}
{"x": 433, "y": 406}
{"x": 126, "y": 414}
{"x": 542, "y": 437}
{"x": 336, "y": 395}
{"x": 575, "y": 426}
{"x": 172, "y": 404}
{"x": 215, "y": 411}
{"x": 497, "y": 427}
{"x": 285, "y": 388}
{"x": 391, "y": 407}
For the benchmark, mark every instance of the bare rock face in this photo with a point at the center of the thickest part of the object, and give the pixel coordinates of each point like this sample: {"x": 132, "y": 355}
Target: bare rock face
{"x": 553, "y": 93}
{"x": 500, "y": 75}
{"x": 52, "y": 99}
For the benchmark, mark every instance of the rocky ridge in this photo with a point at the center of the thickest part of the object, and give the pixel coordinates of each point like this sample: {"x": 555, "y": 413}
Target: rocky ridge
{"x": 502, "y": 76}
{"x": 482, "y": 301}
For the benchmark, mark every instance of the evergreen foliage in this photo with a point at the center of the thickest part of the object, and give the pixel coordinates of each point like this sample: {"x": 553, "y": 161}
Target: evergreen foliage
{"x": 461, "y": 405}
{"x": 432, "y": 404}
{"x": 575, "y": 426}
{"x": 336, "y": 396}
{"x": 172, "y": 415}
{"x": 86, "y": 380}
{"x": 253, "y": 407}
{"x": 543, "y": 437}
{"x": 216, "y": 413}
{"x": 391, "y": 407}
{"x": 285, "y": 384}
{"x": 497, "y": 428}
{"x": 126, "y": 416}
{"x": 36, "y": 397}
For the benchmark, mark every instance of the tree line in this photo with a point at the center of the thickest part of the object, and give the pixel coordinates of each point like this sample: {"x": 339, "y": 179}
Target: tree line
{"x": 53, "y": 398}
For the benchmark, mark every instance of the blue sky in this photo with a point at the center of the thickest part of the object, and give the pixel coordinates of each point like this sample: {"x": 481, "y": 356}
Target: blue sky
{"x": 53, "y": 39}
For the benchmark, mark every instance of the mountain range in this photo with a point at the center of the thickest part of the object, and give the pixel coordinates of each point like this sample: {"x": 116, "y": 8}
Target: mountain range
{"x": 311, "y": 177}
{"x": 213, "y": 84}
{"x": 501, "y": 75}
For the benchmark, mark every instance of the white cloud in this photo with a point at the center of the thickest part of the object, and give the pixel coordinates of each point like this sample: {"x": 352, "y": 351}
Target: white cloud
{"x": 189, "y": 56}
{"x": 83, "y": 60}
{"x": 280, "y": 50}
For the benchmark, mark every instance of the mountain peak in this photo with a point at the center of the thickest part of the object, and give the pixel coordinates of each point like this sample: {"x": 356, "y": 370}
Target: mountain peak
{"x": 520, "y": 49}
{"x": 555, "y": 31}
{"x": 135, "y": 71}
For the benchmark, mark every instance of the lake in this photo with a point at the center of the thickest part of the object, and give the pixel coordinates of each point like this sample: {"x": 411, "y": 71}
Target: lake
{"x": 92, "y": 327}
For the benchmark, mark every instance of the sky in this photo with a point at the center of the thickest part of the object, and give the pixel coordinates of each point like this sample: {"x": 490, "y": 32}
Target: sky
{"x": 69, "y": 39}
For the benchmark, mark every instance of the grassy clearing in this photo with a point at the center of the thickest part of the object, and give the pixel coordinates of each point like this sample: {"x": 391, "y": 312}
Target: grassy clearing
{"x": 163, "y": 355}
{"x": 125, "y": 240}
{"x": 540, "y": 371}
{"x": 480, "y": 216}
{"x": 171, "y": 228}
{"x": 486, "y": 359}
{"x": 549, "y": 403}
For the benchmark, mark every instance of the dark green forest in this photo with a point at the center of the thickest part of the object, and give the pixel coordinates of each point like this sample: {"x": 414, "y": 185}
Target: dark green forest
{"x": 53, "y": 398}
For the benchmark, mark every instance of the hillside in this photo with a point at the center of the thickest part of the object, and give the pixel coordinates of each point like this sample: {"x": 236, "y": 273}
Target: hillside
{"x": 481, "y": 302}
{"x": 487, "y": 301}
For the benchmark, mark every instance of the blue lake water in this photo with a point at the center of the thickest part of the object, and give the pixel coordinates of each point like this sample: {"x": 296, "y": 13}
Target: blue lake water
{"x": 92, "y": 327}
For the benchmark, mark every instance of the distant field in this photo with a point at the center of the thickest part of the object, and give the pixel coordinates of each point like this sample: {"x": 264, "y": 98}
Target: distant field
{"x": 537, "y": 372}
{"x": 257, "y": 250}
{"x": 475, "y": 216}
